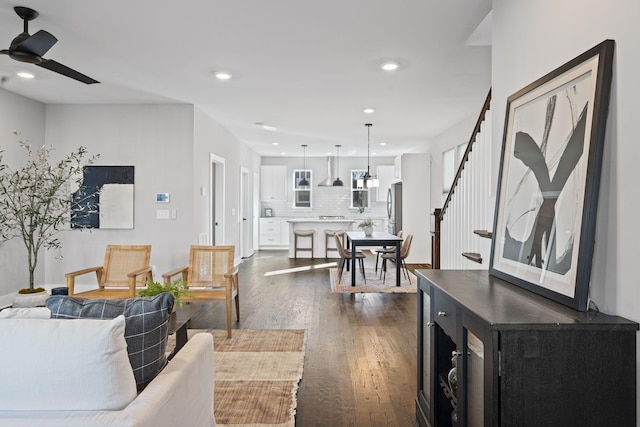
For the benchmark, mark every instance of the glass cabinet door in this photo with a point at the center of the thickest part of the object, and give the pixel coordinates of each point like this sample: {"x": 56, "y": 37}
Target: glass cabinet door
{"x": 426, "y": 346}
{"x": 474, "y": 380}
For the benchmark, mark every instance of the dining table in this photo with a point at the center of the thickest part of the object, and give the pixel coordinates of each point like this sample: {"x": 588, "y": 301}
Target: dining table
{"x": 377, "y": 238}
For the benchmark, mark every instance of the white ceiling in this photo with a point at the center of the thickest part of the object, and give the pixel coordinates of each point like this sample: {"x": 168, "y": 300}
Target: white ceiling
{"x": 307, "y": 67}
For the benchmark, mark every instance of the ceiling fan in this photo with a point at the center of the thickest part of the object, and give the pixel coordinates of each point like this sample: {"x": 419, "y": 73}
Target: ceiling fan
{"x": 27, "y": 48}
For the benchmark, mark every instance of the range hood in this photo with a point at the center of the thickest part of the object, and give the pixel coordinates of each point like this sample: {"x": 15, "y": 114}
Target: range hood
{"x": 331, "y": 174}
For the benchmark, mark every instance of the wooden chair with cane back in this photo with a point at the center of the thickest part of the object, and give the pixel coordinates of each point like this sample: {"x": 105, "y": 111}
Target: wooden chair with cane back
{"x": 211, "y": 276}
{"x": 125, "y": 268}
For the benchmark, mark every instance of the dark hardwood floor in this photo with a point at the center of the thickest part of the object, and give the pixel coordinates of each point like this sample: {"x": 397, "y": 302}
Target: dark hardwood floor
{"x": 360, "y": 362}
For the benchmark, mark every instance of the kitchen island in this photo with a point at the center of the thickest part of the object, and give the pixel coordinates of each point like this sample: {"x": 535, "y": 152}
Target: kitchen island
{"x": 318, "y": 225}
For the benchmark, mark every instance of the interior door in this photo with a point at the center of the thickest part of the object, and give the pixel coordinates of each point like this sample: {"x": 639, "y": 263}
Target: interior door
{"x": 216, "y": 200}
{"x": 246, "y": 248}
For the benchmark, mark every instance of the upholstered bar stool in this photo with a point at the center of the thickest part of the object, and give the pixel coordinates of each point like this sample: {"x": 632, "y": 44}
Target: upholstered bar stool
{"x": 300, "y": 234}
{"x": 329, "y": 237}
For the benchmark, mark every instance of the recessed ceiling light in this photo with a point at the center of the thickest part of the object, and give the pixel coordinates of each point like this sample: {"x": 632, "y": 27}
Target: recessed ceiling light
{"x": 25, "y": 75}
{"x": 383, "y": 143}
{"x": 283, "y": 153}
{"x": 222, "y": 75}
{"x": 275, "y": 143}
{"x": 389, "y": 65}
{"x": 368, "y": 111}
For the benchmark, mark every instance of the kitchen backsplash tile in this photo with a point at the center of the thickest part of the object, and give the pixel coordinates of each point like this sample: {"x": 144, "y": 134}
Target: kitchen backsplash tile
{"x": 327, "y": 201}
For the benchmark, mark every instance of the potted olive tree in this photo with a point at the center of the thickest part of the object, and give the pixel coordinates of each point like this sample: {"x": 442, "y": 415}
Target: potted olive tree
{"x": 36, "y": 200}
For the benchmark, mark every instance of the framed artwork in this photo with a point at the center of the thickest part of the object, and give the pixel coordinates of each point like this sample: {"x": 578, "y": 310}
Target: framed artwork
{"x": 549, "y": 179}
{"x": 105, "y": 200}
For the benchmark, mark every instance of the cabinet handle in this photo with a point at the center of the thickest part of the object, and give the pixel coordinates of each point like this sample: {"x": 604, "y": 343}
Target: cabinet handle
{"x": 442, "y": 313}
{"x": 430, "y": 324}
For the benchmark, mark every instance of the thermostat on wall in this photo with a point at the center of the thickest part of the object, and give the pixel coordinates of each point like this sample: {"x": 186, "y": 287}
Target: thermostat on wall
{"x": 162, "y": 197}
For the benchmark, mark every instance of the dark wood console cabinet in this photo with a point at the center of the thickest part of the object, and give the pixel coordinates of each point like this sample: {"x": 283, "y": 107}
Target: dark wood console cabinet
{"x": 521, "y": 359}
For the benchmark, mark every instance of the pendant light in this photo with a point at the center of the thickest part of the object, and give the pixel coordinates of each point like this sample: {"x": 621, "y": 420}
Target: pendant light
{"x": 338, "y": 182}
{"x": 367, "y": 180}
{"x": 303, "y": 182}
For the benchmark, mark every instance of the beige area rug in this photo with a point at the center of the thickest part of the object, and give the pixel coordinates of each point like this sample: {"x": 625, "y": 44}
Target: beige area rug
{"x": 256, "y": 375}
{"x": 374, "y": 282}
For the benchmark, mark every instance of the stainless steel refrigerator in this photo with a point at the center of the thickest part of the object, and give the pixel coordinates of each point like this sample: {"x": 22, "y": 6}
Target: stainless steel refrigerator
{"x": 394, "y": 207}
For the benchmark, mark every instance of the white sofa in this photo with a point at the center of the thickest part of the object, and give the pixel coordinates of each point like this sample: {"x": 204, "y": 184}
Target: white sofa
{"x": 181, "y": 395}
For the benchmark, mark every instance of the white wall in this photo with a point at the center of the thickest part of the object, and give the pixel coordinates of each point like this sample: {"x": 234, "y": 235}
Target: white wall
{"x": 27, "y": 117}
{"x": 530, "y": 39}
{"x": 158, "y": 141}
{"x": 169, "y": 146}
{"x": 452, "y": 137}
{"x": 210, "y": 137}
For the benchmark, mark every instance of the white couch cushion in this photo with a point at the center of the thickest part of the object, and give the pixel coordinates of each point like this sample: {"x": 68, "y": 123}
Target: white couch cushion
{"x": 26, "y": 313}
{"x": 53, "y": 364}
{"x": 146, "y": 326}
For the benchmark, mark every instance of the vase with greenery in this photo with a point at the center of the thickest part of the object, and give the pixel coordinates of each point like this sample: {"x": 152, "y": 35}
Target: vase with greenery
{"x": 177, "y": 288}
{"x": 36, "y": 199}
{"x": 367, "y": 226}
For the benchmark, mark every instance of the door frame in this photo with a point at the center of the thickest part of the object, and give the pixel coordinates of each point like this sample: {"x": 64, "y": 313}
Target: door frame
{"x": 217, "y": 190}
{"x": 245, "y": 217}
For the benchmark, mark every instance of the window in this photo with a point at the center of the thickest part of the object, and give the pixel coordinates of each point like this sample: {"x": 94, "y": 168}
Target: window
{"x": 359, "y": 196}
{"x": 450, "y": 162}
{"x": 302, "y": 193}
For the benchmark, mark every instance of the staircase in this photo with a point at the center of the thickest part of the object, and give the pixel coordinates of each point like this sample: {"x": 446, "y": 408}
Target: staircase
{"x": 461, "y": 236}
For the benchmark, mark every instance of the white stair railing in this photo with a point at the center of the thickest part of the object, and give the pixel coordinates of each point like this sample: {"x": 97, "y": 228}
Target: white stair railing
{"x": 470, "y": 208}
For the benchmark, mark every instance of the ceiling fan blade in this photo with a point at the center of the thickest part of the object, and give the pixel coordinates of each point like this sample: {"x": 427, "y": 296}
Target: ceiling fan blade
{"x": 38, "y": 44}
{"x": 57, "y": 67}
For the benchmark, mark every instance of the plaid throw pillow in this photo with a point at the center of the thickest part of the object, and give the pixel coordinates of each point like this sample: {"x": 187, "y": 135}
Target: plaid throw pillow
{"x": 146, "y": 326}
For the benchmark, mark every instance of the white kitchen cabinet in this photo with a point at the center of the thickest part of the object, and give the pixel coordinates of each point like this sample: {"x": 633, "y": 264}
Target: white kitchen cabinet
{"x": 273, "y": 183}
{"x": 397, "y": 166}
{"x": 385, "y": 175}
{"x": 274, "y": 233}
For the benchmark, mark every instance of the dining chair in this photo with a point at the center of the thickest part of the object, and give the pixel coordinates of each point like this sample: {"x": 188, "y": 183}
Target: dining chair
{"x": 404, "y": 253}
{"x": 381, "y": 251}
{"x": 345, "y": 257}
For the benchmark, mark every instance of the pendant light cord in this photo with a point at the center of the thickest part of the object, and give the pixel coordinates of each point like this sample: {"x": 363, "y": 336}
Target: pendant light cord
{"x": 303, "y": 182}
{"x": 368, "y": 125}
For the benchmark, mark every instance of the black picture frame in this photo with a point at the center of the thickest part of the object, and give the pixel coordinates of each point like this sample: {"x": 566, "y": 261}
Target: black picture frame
{"x": 547, "y": 196}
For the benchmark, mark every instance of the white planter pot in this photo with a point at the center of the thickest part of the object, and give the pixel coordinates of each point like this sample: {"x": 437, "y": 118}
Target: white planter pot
{"x": 368, "y": 231}
{"x": 30, "y": 300}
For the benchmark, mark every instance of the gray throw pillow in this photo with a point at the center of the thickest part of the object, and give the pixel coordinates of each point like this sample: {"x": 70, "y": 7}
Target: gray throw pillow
{"x": 146, "y": 326}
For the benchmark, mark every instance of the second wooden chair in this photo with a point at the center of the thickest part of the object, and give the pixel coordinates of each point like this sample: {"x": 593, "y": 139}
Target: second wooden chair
{"x": 211, "y": 276}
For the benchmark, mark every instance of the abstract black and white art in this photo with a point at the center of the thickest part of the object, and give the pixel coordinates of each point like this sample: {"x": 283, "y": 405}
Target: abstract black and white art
{"x": 105, "y": 199}
{"x": 549, "y": 178}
